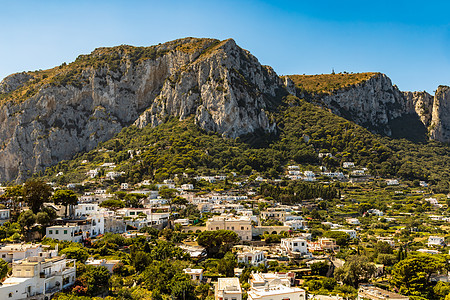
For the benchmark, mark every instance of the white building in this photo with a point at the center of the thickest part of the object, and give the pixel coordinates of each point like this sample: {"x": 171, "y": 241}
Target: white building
{"x": 294, "y": 244}
{"x": 250, "y": 256}
{"x": 14, "y": 252}
{"x": 436, "y": 241}
{"x": 195, "y": 274}
{"x": 186, "y": 187}
{"x": 296, "y": 224}
{"x": 392, "y": 182}
{"x": 4, "y": 215}
{"x": 228, "y": 289}
{"x": 113, "y": 175}
{"x": 39, "y": 275}
{"x": 376, "y": 212}
{"x": 348, "y": 164}
{"x": 272, "y": 286}
{"x": 72, "y": 233}
{"x": 92, "y": 173}
{"x": 309, "y": 176}
{"x": 85, "y": 209}
{"x": 124, "y": 186}
{"x": 109, "y": 264}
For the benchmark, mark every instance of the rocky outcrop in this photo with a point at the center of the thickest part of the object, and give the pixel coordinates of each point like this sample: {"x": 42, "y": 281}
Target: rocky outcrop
{"x": 420, "y": 103}
{"x": 439, "y": 128}
{"x": 13, "y": 82}
{"x": 371, "y": 103}
{"x": 222, "y": 86}
{"x": 227, "y": 91}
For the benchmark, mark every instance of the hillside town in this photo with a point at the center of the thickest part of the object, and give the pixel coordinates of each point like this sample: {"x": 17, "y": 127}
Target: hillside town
{"x": 236, "y": 237}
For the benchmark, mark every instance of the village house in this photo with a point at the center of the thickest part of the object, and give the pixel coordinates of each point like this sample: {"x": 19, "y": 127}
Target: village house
{"x": 250, "y": 256}
{"x": 241, "y": 225}
{"x": 273, "y": 288}
{"x": 14, "y": 252}
{"x": 294, "y": 244}
{"x": 228, "y": 289}
{"x": 43, "y": 275}
{"x": 108, "y": 264}
{"x": 296, "y": 224}
{"x": 323, "y": 244}
{"x": 4, "y": 215}
{"x": 436, "y": 241}
{"x": 273, "y": 214}
{"x": 195, "y": 274}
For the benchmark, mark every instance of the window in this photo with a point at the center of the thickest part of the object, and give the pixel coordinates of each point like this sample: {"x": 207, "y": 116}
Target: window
{"x": 217, "y": 228}
{"x": 242, "y": 227}
{"x": 56, "y": 231}
{"x": 65, "y": 231}
{"x": 132, "y": 213}
{"x": 3, "y": 255}
{"x": 295, "y": 244}
{"x": 50, "y": 231}
{"x": 232, "y": 227}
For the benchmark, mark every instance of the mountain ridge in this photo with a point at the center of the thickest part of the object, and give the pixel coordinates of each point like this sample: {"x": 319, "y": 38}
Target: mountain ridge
{"x": 51, "y": 115}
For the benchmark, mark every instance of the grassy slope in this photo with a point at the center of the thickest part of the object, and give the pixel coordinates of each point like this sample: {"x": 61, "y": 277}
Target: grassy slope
{"x": 327, "y": 83}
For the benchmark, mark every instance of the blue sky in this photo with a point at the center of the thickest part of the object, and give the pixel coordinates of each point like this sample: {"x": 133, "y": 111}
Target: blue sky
{"x": 407, "y": 40}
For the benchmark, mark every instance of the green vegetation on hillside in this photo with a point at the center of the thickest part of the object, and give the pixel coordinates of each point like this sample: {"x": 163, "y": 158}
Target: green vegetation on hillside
{"x": 178, "y": 147}
{"x": 328, "y": 83}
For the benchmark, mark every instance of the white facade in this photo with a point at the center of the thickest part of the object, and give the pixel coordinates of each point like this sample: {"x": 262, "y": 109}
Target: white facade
{"x": 296, "y": 224}
{"x": 109, "y": 264}
{"x": 274, "y": 286}
{"x": 85, "y": 209}
{"x": 72, "y": 233}
{"x": 38, "y": 275}
{"x": 348, "y": 164}
{"x": 4, "y": 215}
{"x": 14, "y": 252}
{"x": 294, "y": 244}
{"x": 436, "y": 241}
{"x": 252, "y": 257}
{"x": 228, "y": 289}
{"x": 186, "y": 187}
{"x": 195, "y": 274}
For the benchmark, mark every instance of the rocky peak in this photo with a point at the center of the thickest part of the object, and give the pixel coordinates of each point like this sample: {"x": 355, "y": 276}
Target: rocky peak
{"x": 73, "y": 107}
{"x": 226, "y": 89}
{"x": 13, "y": 82}
{"x": 372, "y": 103}
{"x": 439, "y": 128}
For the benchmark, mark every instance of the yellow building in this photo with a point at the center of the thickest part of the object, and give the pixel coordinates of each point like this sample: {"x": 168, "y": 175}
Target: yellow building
{"x": 242, "y": 225}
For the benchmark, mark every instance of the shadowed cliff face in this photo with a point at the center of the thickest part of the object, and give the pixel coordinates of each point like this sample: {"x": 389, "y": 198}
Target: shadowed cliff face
{"x": 73, "y": 108}
{"x": 439, "y": 128}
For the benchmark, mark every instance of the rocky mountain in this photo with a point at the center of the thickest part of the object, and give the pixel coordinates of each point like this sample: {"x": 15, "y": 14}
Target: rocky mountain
{"x": 51, "y": 115}
{"x": 375, "y": 103}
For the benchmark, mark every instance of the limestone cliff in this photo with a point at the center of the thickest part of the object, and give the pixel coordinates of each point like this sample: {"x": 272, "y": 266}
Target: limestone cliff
{"x": 439, "y": 128}
{"x": 49, "y": 116}
{"x": 371, "y": 103}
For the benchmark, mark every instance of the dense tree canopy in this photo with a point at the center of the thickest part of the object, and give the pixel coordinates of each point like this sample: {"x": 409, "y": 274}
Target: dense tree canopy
{"x": 217, "y": 242}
